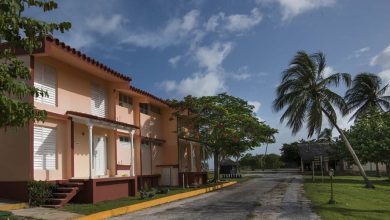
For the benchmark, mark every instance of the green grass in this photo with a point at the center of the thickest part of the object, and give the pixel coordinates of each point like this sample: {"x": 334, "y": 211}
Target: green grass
{"x": 353, "y": 201}
{"x": 86, "y": 209}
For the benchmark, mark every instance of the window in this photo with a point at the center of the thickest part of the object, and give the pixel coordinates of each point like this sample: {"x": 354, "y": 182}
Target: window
{"x": 45, "y": 148}
{"x": 155, "y": 109}
{"x": 99, "y": 104}
{"x": 144, "y": 108}
{"x": 45, "y": 78}
{"x": 124, "y": 139}
{"x": 125, "y": 101}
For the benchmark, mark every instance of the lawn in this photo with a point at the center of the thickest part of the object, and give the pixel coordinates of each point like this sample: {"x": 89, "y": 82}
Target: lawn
{"x": 353, "y": 201}
{"x": 86, "y": 209}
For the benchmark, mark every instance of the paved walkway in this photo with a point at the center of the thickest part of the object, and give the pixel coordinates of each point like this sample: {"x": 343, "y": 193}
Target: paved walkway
{"x": 45, "y": 213}
{"x": 273, "y": 196}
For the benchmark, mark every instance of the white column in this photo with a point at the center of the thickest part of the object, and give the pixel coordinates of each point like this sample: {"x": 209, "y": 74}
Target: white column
{"x": 132, "y": 169}
{"x": 90, "y": 129}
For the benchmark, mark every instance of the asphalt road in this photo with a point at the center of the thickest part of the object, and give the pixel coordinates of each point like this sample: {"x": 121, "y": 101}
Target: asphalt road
{"x": 269, "y": 196}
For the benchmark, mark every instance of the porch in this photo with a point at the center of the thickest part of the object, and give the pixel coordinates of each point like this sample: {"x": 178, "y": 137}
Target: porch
{"x": 94, "y": 168}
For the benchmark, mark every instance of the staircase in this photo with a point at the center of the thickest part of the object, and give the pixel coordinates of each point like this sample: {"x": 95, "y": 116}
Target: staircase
{"x": 64, "y": 193}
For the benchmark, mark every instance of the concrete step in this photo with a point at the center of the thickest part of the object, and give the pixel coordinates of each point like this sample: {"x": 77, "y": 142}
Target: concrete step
{"x": 65, "y": 189}
{"x": 60, "y": 195}
{"x": 72, "y": 184}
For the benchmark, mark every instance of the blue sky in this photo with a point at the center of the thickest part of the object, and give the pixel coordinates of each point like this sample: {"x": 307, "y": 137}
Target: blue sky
{"x": 175, "y": 48}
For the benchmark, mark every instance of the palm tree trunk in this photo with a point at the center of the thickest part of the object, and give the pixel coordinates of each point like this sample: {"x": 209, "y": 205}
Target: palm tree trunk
{"x": 216, "y": 166}
{"x": 352, "y": 152}
{"x": 263, "y": 158}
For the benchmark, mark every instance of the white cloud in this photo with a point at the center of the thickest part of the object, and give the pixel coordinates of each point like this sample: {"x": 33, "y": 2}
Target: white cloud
{"x": 235, "y": 22}
{"x": 213, "y": 56}
{"x": 78, "y": 39}
{"x": 174, "y": 60}
{"x": 292, "y": 8}
{"x": 329, "y": 71}
{"x": 360, "y": 52}
{"x": 105, "y": 25}
{"x": 240, "y": 22}
{"x": 241, "y": 76}
{"x": 256, "y": 104}
{"x": 385, "y": 75}
{"x": 199, "y": 84}
{"x": 173, "y": 33}
{"x": 382, "y": 59}
{"x": 208, "y": 82}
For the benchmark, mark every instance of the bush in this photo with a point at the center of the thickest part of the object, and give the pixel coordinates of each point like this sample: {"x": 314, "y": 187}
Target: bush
{"x": 40, "y": 192}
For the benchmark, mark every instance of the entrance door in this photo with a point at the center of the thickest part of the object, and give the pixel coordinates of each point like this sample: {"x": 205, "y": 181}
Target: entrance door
{"x": 100, "y": 163}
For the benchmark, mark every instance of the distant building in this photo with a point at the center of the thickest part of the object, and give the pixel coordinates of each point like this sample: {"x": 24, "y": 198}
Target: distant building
{"x": 228, "y": 166}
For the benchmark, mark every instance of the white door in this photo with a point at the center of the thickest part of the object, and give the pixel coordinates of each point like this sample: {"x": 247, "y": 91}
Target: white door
{"x": 99, "y": 144}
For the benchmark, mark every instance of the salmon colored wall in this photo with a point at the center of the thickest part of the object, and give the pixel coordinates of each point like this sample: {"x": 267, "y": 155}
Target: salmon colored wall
{"x": 74, "y": 89}
{"x": 14, "y": 154}
{"x": 150, "y": 125}
{"x": 170, "y": 147}
{"x": 60, "y": 171}
{"x": 81, "y": 150}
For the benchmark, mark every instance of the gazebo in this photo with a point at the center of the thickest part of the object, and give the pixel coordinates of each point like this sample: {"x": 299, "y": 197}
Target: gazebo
{"x": 312, "y": 153}
{"x": 228, "y": 168}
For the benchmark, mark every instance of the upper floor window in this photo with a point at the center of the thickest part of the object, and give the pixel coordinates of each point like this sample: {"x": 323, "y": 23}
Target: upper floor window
{"x": 45, "y": 78}
{"x": 155, "y": 109}
{"x": 99, "y": 103}
{"x": 144, "y": 108}
{"x": 125, "y": 101}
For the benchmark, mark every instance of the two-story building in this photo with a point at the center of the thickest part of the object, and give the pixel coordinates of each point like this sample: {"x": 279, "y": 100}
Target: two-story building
{"x": 103, "y": 138}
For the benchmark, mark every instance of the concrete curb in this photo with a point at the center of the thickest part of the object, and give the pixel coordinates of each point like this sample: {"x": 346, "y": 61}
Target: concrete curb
{"x": 13, "y": 206}
{"x": 154, "y": 202}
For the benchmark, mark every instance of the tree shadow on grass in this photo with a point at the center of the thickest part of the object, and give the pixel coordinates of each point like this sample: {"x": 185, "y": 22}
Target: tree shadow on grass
{"x": 342, "y": 180}
{"x": 356, "y": 212}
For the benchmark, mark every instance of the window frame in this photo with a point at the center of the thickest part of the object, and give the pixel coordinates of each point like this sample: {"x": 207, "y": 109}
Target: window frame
{"x": 143, "y": 110}
{"x": 125, "y": 100}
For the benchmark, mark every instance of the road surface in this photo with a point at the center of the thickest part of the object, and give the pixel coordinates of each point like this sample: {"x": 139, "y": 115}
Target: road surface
{"x": 269, "y": 196}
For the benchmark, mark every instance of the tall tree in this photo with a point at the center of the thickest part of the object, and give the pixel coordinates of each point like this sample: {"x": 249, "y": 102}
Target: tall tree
{"x": 367, "y": 94}
{"x": 19, "y": 32}
{"x": 305, "y": 93}
{"x": 224, "y": 123}
{"x": 290, "y": 155}
{"x": 370, "y": 137}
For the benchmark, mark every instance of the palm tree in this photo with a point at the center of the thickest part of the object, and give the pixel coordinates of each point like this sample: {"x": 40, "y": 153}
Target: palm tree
{"x": 271, "y": 140}
{"x": 305, "y": 93}
{"x": 366, "y": 95}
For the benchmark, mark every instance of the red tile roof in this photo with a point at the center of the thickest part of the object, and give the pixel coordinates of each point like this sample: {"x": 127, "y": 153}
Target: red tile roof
{"x": 86, "y": 58}
{"x": 142, "y": 92}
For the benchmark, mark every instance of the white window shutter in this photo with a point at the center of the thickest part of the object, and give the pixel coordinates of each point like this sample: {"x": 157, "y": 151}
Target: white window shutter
{"x": 45, "y": 148}
{"x": 45, "y": 78}
{"x": 99, "y": 104}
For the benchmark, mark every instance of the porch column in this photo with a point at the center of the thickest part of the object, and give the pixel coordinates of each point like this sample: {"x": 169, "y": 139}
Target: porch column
{"x": 90, "y": 128}
{"x": 132, "y": 169}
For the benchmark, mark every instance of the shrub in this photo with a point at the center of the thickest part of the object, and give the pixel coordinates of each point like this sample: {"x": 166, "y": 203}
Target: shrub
{"x": 40, "y": 192}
